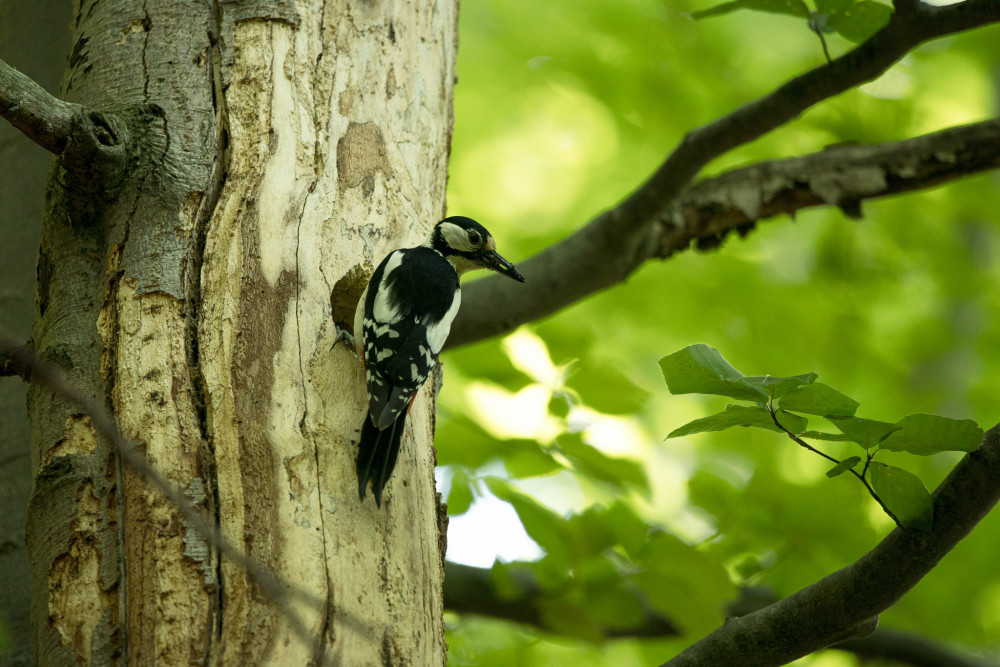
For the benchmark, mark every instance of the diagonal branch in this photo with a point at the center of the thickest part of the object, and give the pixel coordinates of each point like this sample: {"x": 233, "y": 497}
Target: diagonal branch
{"x": 844, "y": 176}
{"x": 470, "y": 590}
{"x": 611, "y": 246}
{"x": 847, "y": 603}
{"x": 46, "y": 120}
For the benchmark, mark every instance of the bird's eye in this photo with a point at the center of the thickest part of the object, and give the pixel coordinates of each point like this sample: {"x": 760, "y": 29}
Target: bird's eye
{"x": 474, "y": 237}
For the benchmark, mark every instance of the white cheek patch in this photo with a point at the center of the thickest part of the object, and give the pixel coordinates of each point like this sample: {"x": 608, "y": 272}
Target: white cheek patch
{"x": 456, "y": 237}
{"x": 437, "y": 332}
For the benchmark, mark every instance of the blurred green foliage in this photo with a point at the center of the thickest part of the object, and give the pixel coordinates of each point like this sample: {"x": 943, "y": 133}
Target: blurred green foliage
{"x": 563, "y": 108}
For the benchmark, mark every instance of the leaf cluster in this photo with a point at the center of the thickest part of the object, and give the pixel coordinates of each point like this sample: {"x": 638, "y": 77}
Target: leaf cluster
{"x": 784, "y": 404}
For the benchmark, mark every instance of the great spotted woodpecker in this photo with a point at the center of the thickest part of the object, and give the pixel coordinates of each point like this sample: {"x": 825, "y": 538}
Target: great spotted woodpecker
{"x": 400, "y": 326}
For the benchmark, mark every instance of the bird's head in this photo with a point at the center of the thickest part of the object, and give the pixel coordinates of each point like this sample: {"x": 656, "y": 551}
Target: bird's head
{"x": 468, "y": 245}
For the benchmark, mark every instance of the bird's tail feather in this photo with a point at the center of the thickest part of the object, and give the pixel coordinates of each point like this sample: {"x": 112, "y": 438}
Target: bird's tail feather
{"x": 377, "y": 454}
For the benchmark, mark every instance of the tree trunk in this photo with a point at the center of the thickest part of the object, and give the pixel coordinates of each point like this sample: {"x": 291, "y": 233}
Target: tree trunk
{"x": 251, "y": 164}
{"x": 33, "y": 38}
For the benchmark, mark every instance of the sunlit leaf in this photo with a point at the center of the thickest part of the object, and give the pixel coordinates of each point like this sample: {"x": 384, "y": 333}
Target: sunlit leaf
{"x": 930, "y": 434}
{"x": 461, "y": 440}
{"x": 587, "y": 460}
{"x": 776, "y": 387}
{"x": 820, "y": 435}
{"x": 832, "y": 6}
{"x": 741, "y": 415}
{"x": 791, "y": 7}
{"x": 904, "y": 494}
{"x": 819, "y": 399}
{"x": 606, "y": 389}
{"x": 460, "y": 494}
{"x": 858, "y": 21}
{"x": 843, "y": 466}
{"x": 526, "y": 458}
{"x": 700, "y": 369}
{"x": 865, "y": 432}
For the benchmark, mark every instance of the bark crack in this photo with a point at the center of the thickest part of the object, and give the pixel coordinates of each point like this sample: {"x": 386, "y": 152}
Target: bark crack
{"x": 220, "y": 172}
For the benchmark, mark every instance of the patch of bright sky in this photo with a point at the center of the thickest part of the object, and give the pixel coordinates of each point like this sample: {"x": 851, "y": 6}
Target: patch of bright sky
{"x": 490, "y": 530}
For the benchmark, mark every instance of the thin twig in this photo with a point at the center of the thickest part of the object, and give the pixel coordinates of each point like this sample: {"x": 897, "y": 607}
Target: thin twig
{"x": 822, "y": 40}
{"x": 861, "y": 478}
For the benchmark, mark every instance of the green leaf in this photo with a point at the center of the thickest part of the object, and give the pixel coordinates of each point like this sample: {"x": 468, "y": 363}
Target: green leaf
{"x": 700, "y": 369}
{"x": 832, "y": 6}
{"x": 460, "y": 494}
{"x": 859, "y": 20}
{"x": 792, "y": 7}
{"x": 904, "y": 494}
{"x": 590, "y": 462}
{"x": 930, "y": 434}
{"x": 526, "y": 458}
{"x": 629, "y": 529}
{"x": 843, "y": 466}
{"x": 820, "y": 435}
{"x": 819, "y": 399}
{"x": 607, "y": 389}
{"x": 685, "y": 584}
{"x": 741, "y": 415}
{"x": 865, "y": 432}
{"x": 776, "y": 387}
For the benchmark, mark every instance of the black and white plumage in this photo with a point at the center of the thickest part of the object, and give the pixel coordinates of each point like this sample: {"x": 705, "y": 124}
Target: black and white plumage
{"x": 400, "y": 326}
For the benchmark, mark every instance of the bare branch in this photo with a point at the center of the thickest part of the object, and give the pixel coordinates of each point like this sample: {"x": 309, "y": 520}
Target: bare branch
{"x": 847, "y": 603}
{"x": 469, "y": 590}
{"x": 909, "y": 649}
{"x": 612, "y": 245}
{"x": 11, "y": 366}
{"x": 845, "y": 176}
{"x": 46, "y": 120}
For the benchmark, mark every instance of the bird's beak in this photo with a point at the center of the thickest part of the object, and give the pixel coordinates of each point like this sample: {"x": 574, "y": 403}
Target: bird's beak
{"x": 493, "y": 261}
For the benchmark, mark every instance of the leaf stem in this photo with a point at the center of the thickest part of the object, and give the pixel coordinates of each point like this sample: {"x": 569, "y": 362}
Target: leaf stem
{"x": 860, "y": 476}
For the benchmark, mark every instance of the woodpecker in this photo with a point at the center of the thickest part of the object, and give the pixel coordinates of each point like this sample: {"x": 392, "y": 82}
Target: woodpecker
{"x": 400, "y": 326}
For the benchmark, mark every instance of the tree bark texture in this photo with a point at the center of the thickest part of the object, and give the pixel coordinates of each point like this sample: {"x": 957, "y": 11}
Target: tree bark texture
{"x": 235, "y": 172}
{"x": 34, "y": 38}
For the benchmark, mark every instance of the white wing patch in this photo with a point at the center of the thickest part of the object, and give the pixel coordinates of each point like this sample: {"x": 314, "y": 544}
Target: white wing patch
{"x": 382, "y": 309}
{"x": 437, "y": 332}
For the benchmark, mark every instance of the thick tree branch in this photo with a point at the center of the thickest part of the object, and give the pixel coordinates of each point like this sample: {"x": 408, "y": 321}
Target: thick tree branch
{"x": 909, "y": 649}
{"x": 46, "y": 120}
{"x": 469, "y": 590}
{"x": 844, "y": 176}
{"x": 612, "y": 245}
{"x": 847, "y": 603}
